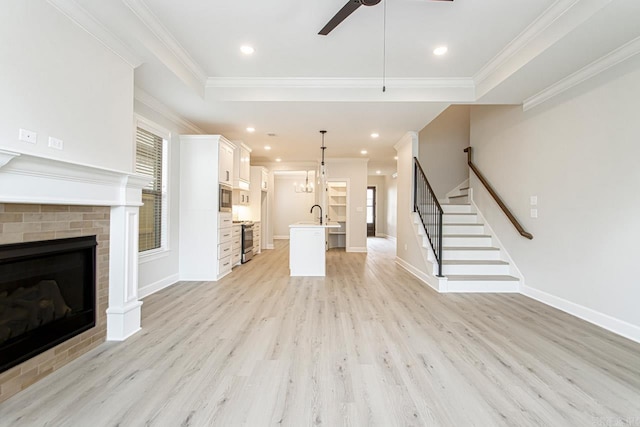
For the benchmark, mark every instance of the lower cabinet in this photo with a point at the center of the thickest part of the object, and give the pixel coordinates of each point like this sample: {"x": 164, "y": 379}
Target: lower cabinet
{"x": 225, "y": 243}
{"x": 236, "y": 245}
{"x": 257, "y": 238}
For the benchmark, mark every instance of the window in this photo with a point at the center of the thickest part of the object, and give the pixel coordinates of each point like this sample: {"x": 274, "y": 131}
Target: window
{"x": 151, "y": 159}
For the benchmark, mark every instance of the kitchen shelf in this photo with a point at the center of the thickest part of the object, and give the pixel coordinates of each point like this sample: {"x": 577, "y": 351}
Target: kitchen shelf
{"x": 337, "y": 212}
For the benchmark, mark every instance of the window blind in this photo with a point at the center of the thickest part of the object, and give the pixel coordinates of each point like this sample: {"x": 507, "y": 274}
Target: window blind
{"x": 149, "y": 148}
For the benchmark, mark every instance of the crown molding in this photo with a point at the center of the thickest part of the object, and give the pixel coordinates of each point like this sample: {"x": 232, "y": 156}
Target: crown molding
{"x": 157, "y": 106}
{"x": 87, "y": 22}
{"x": 307, "y": 89}
{"x": 338, "y": 82}
{"x": 615, "y": 57}
{"x": 151, "y": 21}
{"x": 553, "y": 24}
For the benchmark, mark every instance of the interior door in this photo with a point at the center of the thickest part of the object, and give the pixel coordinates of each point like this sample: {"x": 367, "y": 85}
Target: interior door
{"x": 371, "y": 211}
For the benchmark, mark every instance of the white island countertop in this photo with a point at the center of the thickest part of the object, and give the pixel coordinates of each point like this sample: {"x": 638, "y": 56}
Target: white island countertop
{"x": 307, "y": 247}
{"x": 314, "y": 224}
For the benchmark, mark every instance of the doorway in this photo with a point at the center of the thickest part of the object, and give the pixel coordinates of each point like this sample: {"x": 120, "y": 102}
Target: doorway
{"x": 371, "y": 211}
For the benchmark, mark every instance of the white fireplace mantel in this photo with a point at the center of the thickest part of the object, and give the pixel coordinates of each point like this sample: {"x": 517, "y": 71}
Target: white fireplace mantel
{"x": 25, "y": 178}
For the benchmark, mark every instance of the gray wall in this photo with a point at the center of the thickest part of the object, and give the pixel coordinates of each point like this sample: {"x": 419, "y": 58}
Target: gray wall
{"x": 578, "y": 153}
{"x": 441, "y": 149}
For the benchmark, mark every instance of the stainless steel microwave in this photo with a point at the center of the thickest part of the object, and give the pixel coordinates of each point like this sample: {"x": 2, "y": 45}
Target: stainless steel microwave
{"x": 226, "y": 194}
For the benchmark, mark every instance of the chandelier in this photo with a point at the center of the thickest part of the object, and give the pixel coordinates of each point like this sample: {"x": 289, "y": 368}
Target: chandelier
{"x": 306, "y": 187}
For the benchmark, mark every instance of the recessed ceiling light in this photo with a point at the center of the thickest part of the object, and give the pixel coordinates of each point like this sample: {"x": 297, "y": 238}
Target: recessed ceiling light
{"x": 363, "y": 152}
{"x": 375, "y": 135}
{"x": 267, "y": 147}
{"x": 395, "y": 158}
{"x": 378, "y": 172}
{"x": 250, "y": 129}
{"x": 278, "y": 159}
{"x": 246, "y": 49}
{"x": 441, "y": 50}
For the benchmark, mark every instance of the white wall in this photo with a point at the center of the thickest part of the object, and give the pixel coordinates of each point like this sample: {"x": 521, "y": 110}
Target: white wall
{"x": 578, "y": 153}
{"x": 354, "y": 171}
{"x": 442, "y": 143}
{"x": 160, "y": 272}
{"x": 391, "y": 185}
{"x": 379, "y": 182}
{"x": 407, "y": 249}
{"x": 289, "y": 206}
{"x": 57, "y": 80}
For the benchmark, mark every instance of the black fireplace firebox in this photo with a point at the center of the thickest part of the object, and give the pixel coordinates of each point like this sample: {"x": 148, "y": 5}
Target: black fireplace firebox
{"x": 47, "y": 295}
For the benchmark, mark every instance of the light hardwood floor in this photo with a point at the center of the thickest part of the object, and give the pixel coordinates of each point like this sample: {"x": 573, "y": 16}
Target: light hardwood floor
{"x": 367, "y": 345}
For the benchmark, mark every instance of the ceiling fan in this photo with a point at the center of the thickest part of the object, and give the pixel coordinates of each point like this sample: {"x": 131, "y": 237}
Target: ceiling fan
{"x": 347, "y": 10}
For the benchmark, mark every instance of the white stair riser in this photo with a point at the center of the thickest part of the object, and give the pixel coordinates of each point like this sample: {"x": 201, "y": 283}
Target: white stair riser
{"x": 460, "y": 254}
{"x": 462, "y": 229}
{"x": 457, "y": 209}
{"x": 459, "y": 219}
{"x": 476, "y": 269}
{"x": 466, "y": 241}
{"x": 483, "y": 286}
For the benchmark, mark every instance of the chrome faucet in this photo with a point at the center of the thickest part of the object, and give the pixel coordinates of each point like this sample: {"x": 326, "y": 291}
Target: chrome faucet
{"x": 320, "y": 212}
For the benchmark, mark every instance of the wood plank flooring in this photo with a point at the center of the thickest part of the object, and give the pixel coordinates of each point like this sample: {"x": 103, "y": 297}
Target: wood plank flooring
{"x": 368, "y": 345}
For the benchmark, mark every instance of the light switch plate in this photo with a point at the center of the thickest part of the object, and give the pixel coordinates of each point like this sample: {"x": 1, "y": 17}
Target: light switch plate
{"x": 534, "y": 213}
{"x": 534, "y": 200}
{"x": 28, "y": 136}
{"x": 56, "y": 143}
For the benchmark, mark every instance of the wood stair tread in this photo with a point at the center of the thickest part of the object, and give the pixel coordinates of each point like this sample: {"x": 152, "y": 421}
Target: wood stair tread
{"x": 487, "y": 278}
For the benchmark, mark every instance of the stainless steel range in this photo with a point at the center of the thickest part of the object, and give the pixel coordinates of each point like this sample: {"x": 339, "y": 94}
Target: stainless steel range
{"x": 247, "y": 241}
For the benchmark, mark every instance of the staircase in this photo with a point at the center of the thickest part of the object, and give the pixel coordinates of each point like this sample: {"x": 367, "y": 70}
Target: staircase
{"x": 470, "y": 261}
{"x": 456, "y": 242}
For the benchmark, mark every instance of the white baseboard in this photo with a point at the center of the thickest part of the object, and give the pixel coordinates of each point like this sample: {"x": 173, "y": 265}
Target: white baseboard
{"x": 155, "y": 287}
{"x": 605, "y": 321}
{"x": 431, "y": 281}
{"x": 356, "y": 249}
{"x": 270, "y": 246}
{"x": 285, "y": 237}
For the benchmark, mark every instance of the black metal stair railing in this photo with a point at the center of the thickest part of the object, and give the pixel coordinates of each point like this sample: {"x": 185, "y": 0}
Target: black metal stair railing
{"x": 426, "y": 204}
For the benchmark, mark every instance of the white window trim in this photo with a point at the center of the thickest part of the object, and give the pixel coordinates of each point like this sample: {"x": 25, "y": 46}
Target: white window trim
{"x": 165, "y": 134}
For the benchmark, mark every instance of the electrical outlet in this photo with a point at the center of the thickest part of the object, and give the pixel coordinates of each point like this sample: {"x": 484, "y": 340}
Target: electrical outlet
{"x": 533, "y": 201}
{"x": 534, "y": 213}
{"x": 28, "y": 136}
{"x": 55, "y": 143}
{"x": 405, "y": 246}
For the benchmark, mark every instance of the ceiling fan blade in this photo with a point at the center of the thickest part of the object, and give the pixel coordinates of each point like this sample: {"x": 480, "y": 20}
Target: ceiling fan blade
{"x": 342, "y": 14}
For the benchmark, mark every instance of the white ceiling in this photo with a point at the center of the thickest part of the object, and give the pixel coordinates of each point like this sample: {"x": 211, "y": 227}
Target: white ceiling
{"x": 187, "y": 57}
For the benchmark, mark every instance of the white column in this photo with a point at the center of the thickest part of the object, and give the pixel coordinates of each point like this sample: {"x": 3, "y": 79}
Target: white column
{"x": 124, "y": 312}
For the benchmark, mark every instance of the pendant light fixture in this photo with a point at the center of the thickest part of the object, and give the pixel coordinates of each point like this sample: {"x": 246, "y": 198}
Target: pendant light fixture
{"x": 323, "y": 169}
{"x": 307, "y": 187}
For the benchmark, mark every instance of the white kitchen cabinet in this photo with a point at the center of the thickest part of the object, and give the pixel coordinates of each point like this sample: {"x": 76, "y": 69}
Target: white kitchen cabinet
{"x": 236, "y": 244}
{"x": 259, "y": 199}
{"x": 257, "y": 238}
{"x": 241, "y": 166}
{"x": 205, "y": 236}
{"x": 226, "y": 160}
{"x": 264, "y": 180}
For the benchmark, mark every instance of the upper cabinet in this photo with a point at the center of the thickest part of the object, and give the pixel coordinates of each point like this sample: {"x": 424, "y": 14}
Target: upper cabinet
{"x": 242, "y": 166}
{"x": 226, "y": 162}
{"x": 264, "y": 179}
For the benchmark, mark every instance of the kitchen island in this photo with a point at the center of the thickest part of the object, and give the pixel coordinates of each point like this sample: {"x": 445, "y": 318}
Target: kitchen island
{"x": 307, "y": 248}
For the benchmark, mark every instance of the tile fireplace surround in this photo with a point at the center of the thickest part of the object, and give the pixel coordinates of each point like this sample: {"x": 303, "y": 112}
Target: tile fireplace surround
{"x": 43, "y": 199}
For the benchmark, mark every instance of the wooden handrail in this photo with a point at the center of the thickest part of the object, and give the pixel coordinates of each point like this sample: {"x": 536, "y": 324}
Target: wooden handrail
{"x": 497, "y": 198}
